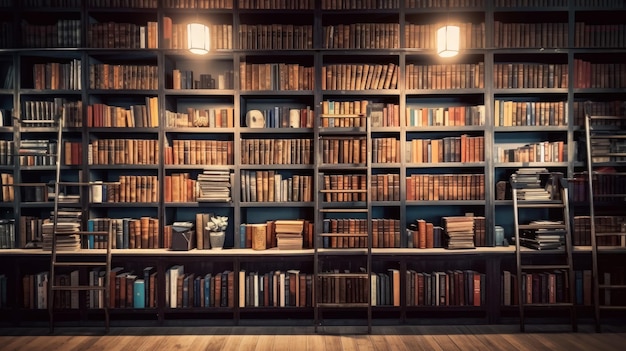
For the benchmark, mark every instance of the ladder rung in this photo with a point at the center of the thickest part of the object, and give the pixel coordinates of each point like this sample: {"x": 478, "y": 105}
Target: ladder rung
{"x": 542, "y": 226}
{"x": 592, "y": 117}
{"x": 73, "y": 264}
{"x": 537, "y": 204}
{"x": 544, "y": 266}
{"x": 78, "y": 287}
{"x": 343, "y": 305}
{"x": 610, "y": 233}
{"x": 608, "y": 286}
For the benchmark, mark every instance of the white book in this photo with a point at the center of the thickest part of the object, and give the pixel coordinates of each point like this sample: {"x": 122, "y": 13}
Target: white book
{"x": 373, "y": 291}
{"x": 175, "y": 272}
{"x": 242, "y": 288}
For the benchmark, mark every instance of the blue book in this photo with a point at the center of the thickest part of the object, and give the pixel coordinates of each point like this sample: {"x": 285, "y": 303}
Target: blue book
{"x": 207, "y": 290}
{"x": 579, "y": 287}
{"x": 90, "y": 239}
{"x": 146, "y": 279}
{"x": 242, "y": 236}
{"x": 125, "y": 233}
{"x": 139, "y": 300}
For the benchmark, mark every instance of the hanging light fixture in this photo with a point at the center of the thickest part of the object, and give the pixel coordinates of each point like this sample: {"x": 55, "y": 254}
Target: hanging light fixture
{"x": 448, "y": 38}
{"x": 198, "y": 38}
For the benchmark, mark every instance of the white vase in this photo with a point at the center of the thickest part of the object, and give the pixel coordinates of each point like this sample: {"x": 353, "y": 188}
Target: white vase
{"x": 217, "y": 240}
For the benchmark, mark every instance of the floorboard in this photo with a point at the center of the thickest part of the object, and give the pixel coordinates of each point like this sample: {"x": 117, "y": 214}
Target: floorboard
{"x": 303, "y": 338}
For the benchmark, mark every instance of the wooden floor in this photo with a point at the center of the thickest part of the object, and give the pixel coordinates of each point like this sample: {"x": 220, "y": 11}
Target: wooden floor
{"x": 397, "y": 338}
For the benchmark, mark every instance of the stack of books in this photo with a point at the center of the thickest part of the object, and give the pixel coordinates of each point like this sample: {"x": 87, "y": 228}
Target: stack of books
{"x": 289, "y": 234}
{"x": 214, "y": 186}
{"x": 68, "y": 224}
{"x": 527, "y": 181}
{"x": 545, "y": 238}
{"x": 459, "y": 232}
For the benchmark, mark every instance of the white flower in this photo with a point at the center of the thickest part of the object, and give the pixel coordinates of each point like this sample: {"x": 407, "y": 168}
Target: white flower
{"x": 217, "y": 224}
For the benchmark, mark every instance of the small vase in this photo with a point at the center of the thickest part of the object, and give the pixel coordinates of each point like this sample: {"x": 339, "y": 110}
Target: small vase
{"x": 217, "y": 240}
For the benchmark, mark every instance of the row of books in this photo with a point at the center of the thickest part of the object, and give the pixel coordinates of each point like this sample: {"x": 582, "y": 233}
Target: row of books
{"x": 530, "y": 75}
{"x": 123, "y": 77}
{"x": 123, "y": 152}
{"x": 180, "y": 187}
{"x": 176, "y": 35}
{"x": 199, "y": 152}
{"x": 41, "y": 113}
{"x": 581, "y": 230}
{"x": 344, "y": 150}
{"x": 275, "y": 289}
{"x": 385, "y": 187}
{"x": 605, "y": 186}
{"x": 135, "y": 116}
{"x": 463, "y": 148}
{"x": 132, "y": 188}
{"x": 280, "y": 117}
{"x": 152, "y": 4}
{"x": 361, "y": 36}
{"x": 530, "y": 35}
{"x": 608, "y": 150}
{"x": 424, "y": 36}
{"x": 7, "y": 234}
{"x": 523, "y": 3}
{"x": 275, "y": 76}
{"x": 127, "y": 233}
{"x": 58, "y": 76}
{"x": 198, "y": 4}
{"x": 445, "y": 288}
{"x": 360, "y": 76}
{"x": 65, "y": 33}
{"x": 352, "y": 4}
{"x": 130, "y": 289}
{"x": 445, "y": 76}
{"x": 433, "y": 187}
{"x": 444, "y": 3}
{"x": 539, "y": 287}
{"x": 385, "y": 233}
{"x": 385, "y": 150}
{"x": 7, "y": 152}
{"x": 599, "y": 35}
{"x": 599, "y": 75}
{"x": 8, "y": 190}
{"x": 186, "y": 290}
{"x": 37, "y": 152}
{"x": 352, "y": 183}
{"x": 535, "y": 152}
{"x": 276, "y": 151}
{"x": 271, "y": 231}
{"x": 530, "y": 113}
{"x": 275, "y": 36}
{"x": 184, "y": 79}
{"x": 270, "y": 186}
{"x": 445, "y": 116}
{"x": 111, "y": 35}
{"x": 222, "y": 117}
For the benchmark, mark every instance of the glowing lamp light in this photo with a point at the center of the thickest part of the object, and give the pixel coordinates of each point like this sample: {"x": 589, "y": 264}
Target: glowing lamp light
{"x": 448, "y": 40}
{"x": 198, "y": 38}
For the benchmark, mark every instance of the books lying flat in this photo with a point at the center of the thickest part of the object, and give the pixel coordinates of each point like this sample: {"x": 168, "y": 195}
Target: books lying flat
{"x": 214, "y": 186}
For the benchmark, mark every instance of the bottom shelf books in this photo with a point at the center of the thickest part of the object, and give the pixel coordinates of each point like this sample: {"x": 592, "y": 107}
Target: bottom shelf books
{"x": 290, "y": 288}
{"x": 445, "y": 288}
{"x": 200, "y": 290}
{"x": 545, "y": 287}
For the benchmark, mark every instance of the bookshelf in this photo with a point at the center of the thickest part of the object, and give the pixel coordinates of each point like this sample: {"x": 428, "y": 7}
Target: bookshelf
{"x": 175, "y": 115}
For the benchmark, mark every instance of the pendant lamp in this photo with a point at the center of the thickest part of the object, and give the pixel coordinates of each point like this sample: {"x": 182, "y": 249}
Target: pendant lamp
{"x": 448, "y": 38}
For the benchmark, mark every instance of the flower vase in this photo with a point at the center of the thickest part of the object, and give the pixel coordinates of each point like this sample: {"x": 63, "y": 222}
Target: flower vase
{"x": 217, "y": 240}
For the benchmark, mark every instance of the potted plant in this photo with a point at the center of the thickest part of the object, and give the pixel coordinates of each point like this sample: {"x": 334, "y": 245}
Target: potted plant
{"x": 216, "y": 227}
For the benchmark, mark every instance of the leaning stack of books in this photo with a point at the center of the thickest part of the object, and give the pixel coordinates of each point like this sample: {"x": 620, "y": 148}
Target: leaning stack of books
{"x": 459, "y": 232}
{"x": 545, "y": 238}
{"x": 68, "y": 223}
{"x": 527, "y": 181}
{"x": 214, "y": 186}
{"x": 289, "y": 234}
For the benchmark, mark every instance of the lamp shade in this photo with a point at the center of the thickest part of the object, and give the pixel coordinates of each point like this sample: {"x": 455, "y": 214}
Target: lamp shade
{"x": 198, "y": 38}
{"x": 448, "y": 40}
